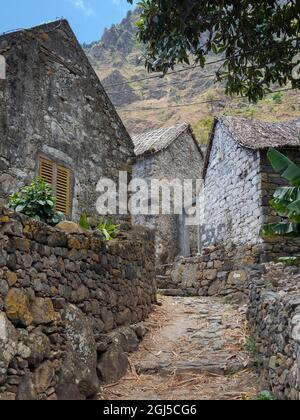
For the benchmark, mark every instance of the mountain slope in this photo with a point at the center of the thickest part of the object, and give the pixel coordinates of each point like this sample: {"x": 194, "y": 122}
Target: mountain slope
{"x": 117, "y": 59}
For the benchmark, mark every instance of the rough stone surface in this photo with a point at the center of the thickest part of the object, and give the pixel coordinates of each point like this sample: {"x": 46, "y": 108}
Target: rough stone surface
{"x": 42, "y": 311}
{"x": 217, "y": 271}
{"x": 112, "y": 365}
{"x": 195, "y": 351}
{"x": 239, "y": 183}
{"x": 81, "y": 365}
{"x": 274, "y": 322}
{"x": 65, "y": 301}
{"x": 17, "y": 307}
{"x": 8, "y": 345}
{"x": 57, "y": 108}
{"x": 181, "y": 160}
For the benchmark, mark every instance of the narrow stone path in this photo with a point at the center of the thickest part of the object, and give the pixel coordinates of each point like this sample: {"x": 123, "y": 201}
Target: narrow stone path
{"x": 194, "y": 351}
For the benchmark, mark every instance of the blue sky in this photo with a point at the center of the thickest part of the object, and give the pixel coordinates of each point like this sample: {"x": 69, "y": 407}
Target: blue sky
{"x": 88, "y": 18}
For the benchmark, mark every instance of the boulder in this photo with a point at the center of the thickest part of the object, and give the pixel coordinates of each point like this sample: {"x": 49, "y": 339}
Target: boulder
{"x": 130, "y": 339}
{"x": 78, "y": 377}
{"x": 112, "y": 365}
{"x": 43, "y": 377}
{"x": 43, "y": 312}
{"x": 39, "y": 346}
{"x": 70, "y": 228}
{"x": 26, "y": 389}
{"x": 8, "y": 345}
{"x": 17, "y": 308}
{"x": 11, "y": 278}
{"x": 237, "y": 278}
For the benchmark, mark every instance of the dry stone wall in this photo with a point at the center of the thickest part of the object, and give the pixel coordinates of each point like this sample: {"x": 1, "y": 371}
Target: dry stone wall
{"x": 217, "y": 271}
{"x": 71, "y": 307}
{"x": 274, "y": 321}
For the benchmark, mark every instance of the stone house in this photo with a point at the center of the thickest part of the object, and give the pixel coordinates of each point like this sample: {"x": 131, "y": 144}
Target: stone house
{"x": 56, "y": 120}
{"x": 169, "y": 153}
{"x": 239, "y": 183}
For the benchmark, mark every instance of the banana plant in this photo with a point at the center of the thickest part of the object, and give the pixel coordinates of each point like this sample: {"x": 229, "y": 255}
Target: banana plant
{"x": 286, "y": 200}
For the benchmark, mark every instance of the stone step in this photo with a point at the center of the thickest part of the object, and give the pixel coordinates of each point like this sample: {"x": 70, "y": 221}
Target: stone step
{"x": 205, "y": 365}
{"x": 171, "y": 292}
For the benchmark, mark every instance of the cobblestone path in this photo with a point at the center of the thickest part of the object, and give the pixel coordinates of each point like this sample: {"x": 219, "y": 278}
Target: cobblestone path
{"x": 194, "y": 350}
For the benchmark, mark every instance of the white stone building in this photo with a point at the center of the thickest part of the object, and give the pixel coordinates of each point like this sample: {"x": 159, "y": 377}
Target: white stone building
{"x": 239, "y": 181}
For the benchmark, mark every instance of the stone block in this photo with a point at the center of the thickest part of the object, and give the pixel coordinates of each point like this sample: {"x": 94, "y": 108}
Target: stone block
{"x": 17, "y": 308}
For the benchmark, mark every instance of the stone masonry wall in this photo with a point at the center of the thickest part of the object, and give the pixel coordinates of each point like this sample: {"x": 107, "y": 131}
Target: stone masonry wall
{"x": 217, "y": 271}
{"x": 181, "y": 160}
{"x": 70, "y": 307}
{"x": 274, "y": 322}
{"x": 270, "y": 181}
{"x": 230, "y": 201}
{"x": 52, "y": 104}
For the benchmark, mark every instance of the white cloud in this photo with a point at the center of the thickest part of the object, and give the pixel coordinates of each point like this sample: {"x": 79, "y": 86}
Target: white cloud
{"x": 83, "y": 6}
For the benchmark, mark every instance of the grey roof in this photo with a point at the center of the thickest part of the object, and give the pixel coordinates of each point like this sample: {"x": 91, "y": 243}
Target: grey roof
{"x": 157, "y": 140}
{"x": 257, "y": 135}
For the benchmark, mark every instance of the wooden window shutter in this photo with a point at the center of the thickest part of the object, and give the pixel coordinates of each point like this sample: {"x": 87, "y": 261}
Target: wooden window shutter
{"x": 59, "y": 178}
{"x": 63, "y": 190}
{"x": 47, "y": 171}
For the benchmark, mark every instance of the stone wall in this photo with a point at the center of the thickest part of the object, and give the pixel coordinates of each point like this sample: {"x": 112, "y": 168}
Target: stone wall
{"x": 274, "y": 322}
{"x": 182, "y": 160}
{"x": 70, "y": 307}
{"x": 270, "y": 181}
{"x": 217, "y": 271}
{"x": 235, "y": 201}
{"x": 53, "y": 104}
{"x": 230, "y": 201}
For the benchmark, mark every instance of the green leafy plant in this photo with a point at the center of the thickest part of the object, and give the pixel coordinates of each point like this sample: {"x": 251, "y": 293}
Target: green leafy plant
{"x": 265, "y": 396}
{"x": 277, "y": 97}
{"x": 36, "y": 201}
{"x": 108, "y": 229}
{"x": 83, "y": 221}
{"x": 286, "y": 200}
{"x": 289, "y": 261}
{"x": 250, "y": 345}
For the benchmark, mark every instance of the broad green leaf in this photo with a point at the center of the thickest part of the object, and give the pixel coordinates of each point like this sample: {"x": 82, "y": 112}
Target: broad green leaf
{"x": 285, "y": 167}
{"x": 83, "y": 221}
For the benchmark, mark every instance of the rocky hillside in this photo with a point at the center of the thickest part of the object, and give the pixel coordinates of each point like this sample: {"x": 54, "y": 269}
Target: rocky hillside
{"x": 147, "y": 104}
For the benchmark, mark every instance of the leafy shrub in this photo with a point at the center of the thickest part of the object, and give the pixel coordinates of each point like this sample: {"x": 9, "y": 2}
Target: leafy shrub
{"x": 36, "y": 201}
{"x": 250, "y": 345}
{"x": 108, "y": 229}
{"x": 289, "y": 261}
{"x": 265, "y": 396}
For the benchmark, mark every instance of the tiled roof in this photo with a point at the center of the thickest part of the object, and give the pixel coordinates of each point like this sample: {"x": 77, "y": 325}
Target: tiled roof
{"x": 157, "y": 140}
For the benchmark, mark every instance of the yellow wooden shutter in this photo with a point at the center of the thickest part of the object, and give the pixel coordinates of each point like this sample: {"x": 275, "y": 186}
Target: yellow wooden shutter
{"x": 47, "y": 171}
{"x": 63, "y": 190}
{"x": 59, "y": 178}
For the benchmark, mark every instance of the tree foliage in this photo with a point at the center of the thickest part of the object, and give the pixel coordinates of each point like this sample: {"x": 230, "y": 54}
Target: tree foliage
{"x": 259, "y": 40}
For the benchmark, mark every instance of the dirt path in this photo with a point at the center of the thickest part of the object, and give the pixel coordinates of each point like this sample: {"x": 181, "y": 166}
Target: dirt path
{"x": 194, "y": 351}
